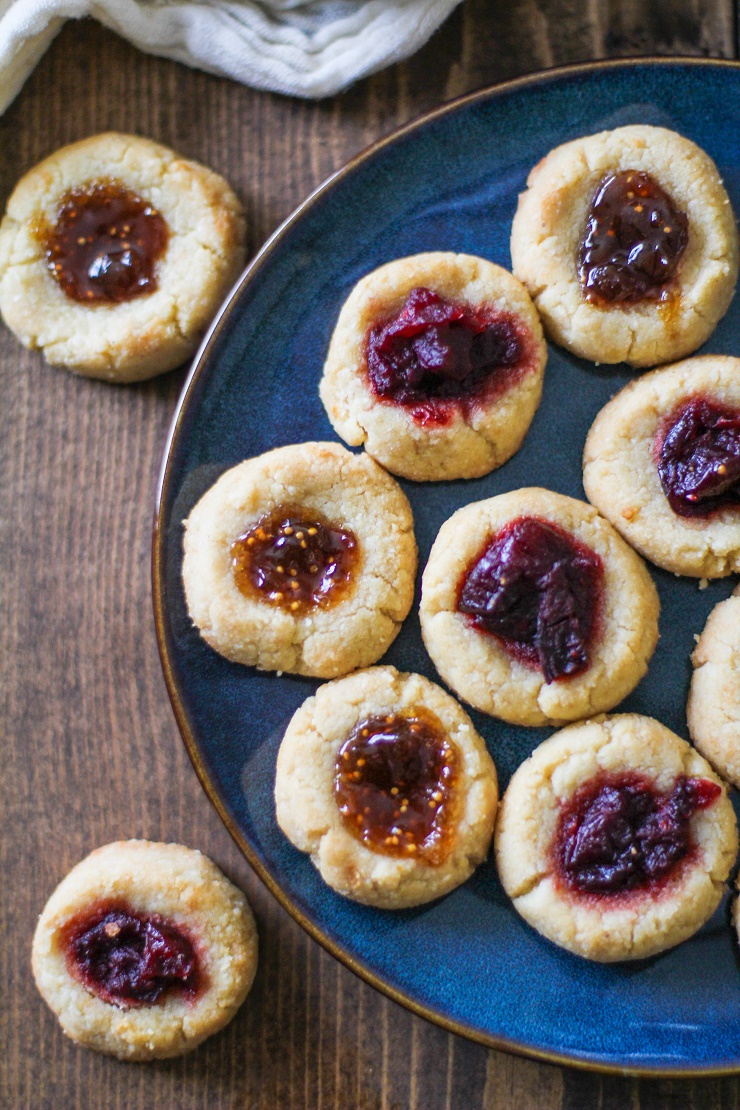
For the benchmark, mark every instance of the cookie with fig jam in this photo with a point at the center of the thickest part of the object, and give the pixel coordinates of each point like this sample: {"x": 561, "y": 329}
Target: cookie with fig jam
{"x": 301, "y": 560}
{"x": 615, "y": 839}
{"x": 662, "y": 462}
{"x": 628, "y": 244}
{"x": 713, "y": 709}
{"x": 115, "y": 254}
{"x": 144, "y": 950}
{"x": 383, "y": 780}
{"x": 534, "y": 610}
{"x": 436, "y": 366}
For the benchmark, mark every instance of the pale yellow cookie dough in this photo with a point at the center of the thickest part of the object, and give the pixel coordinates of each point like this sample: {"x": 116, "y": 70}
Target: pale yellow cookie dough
{"x": 621, "y": 477}
{"x": 549, "y": 225}
{"x": 351, "y": 491}
{"x": 308, "y": 813}
{"x": 482, "y": 671}
{"x": 180, "y": 885}
{"x": 713, "y": 709}
{"x": 468, "y": 445}
{"x": 149, "y": 334}
{"x": 638, "y": 923}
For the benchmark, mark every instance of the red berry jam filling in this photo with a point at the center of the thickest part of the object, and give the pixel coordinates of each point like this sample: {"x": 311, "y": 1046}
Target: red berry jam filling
{"x": 130, "y": 959}
{"x": 105, "y": 244}
{"x": 435, "y": 356}
{"x": 296, "y": 559}
{"x": 538, "y": 591}
{"x": 618, "y": 833}
{"x": 394, "y": 783}
{"x": 698, "y": 457}
{"x": 634, "y": 240}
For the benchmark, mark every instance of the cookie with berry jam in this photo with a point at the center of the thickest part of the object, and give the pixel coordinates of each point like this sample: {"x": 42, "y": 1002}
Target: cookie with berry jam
{"x": 144, "y": 950}
{"x": 301, "y": 560}
{"x": 115, "y": 254}
{"x": 436, "y": 366}
{"x": 713, "y": 709}
{"x": 534, "y": 610}
{"x": 615, "y": 839}
{"x": 662, "y": 462}
{"x": 383, "y": 780}
{"x": 628, "y": 245}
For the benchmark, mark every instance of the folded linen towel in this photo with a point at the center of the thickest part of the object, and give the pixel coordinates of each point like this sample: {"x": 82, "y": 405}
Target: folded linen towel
{"x": 308, "y": 48}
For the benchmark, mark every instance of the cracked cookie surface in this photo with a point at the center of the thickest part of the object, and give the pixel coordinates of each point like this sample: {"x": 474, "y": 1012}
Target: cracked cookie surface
{"x": 551, "y": 222}
{"x": 637, "y": 922}
{"x": 309, "y": 814}
{"x": 713, "y": 709}
{"x": 149, "y": 333}
{"x": 351, "y": 493}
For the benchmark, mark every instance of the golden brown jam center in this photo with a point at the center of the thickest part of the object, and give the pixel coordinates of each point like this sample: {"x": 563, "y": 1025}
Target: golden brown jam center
{"x": 105, "y": 244}
{"x": 296, "y": 559}
{"x": 395, "y": 783}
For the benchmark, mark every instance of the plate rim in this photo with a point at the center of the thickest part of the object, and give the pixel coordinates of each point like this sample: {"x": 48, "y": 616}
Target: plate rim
{"x": 197, "y": 369}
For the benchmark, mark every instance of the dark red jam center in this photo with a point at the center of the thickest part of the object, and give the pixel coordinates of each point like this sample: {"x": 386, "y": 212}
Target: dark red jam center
{"x": 394, "y": 783}
{"x": 434, "y": 355}
{"x": 538, "y": 590}
{"x": 130, "y": 959}
{"x": 295, "y": 559}
{"x": 698, "y": 457}
{"x": 635, "y": 237}
{"x": 618, "y": 833}
{"x": 105, "y": 244}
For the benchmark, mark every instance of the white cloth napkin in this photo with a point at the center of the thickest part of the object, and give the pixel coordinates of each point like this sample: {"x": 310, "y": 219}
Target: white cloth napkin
{"x": 303, "y": 47}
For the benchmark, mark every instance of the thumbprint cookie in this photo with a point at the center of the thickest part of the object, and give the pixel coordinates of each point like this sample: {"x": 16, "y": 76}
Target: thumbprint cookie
{"x": 115, "y": 253}
{"x": 383, "y": 780}
{"x": 144, "y": 950}
{"x": 534, "y": 610}
{"x": 301, "y": 560}
{"x": 714, "y": 698}
{"x": 615, "y": 839}
{"x": 436, "y": 366}
{"x": 628, "y": 245}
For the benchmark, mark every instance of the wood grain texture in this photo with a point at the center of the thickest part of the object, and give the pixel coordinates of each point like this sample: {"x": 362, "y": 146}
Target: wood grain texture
{"x": 90, "y": 748}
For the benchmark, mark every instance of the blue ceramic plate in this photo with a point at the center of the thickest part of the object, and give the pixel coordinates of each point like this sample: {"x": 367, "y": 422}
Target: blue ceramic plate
{"x": 447, "y": 182}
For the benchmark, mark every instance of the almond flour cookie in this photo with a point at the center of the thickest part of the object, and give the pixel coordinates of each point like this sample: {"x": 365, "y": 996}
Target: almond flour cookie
{"x": 628, "y": 245}
{"x": 115, "y": 253}
{"x": 382, "y": 778}
{"x": 144, "y": 950}
{"x": 534, "y": 610}
{"x": 662, "y": 463}
{"x": 436, "y": 366}
{"x": 301, "y": 560}
{"x": 615, "y": 839}
{"x": 713, "y": 709}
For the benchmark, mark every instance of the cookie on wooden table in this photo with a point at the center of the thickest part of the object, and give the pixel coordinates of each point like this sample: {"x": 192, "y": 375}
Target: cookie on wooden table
{"x": 436, "y": 366}
{"x": 383, "y": 780}
{"x": 115, "y": 254}
{"x": 662, "y": 462}
{"x": 615, "y": 839}
{"x": 713, "y": 709}
{"x": 534, "y": 610}
{"x": 628, "y": 245}
{"x": 301, "y": 560}
{"x": 144, "y": 950}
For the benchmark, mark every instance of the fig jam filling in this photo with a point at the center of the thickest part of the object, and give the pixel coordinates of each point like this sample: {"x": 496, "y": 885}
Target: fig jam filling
{"x": 618, "y": 833}
{"x": 295, "y": 559}
{"x": 698, "y": 457}
{"x": 130, "y": 959}
{"x": 395, "y": 785}
{"x": 633, "y": 242}
{"x": 105, "y": 244}
{"x": 435, "y": 356}
{"x": 538, "y": 591}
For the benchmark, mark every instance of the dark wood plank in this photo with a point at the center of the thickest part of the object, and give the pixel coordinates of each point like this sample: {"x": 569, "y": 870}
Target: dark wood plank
{"x": 90, "y": 749}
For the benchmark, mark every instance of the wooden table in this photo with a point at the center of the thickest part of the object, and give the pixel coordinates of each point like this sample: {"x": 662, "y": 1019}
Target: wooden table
{"x": 90, "y": 750}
